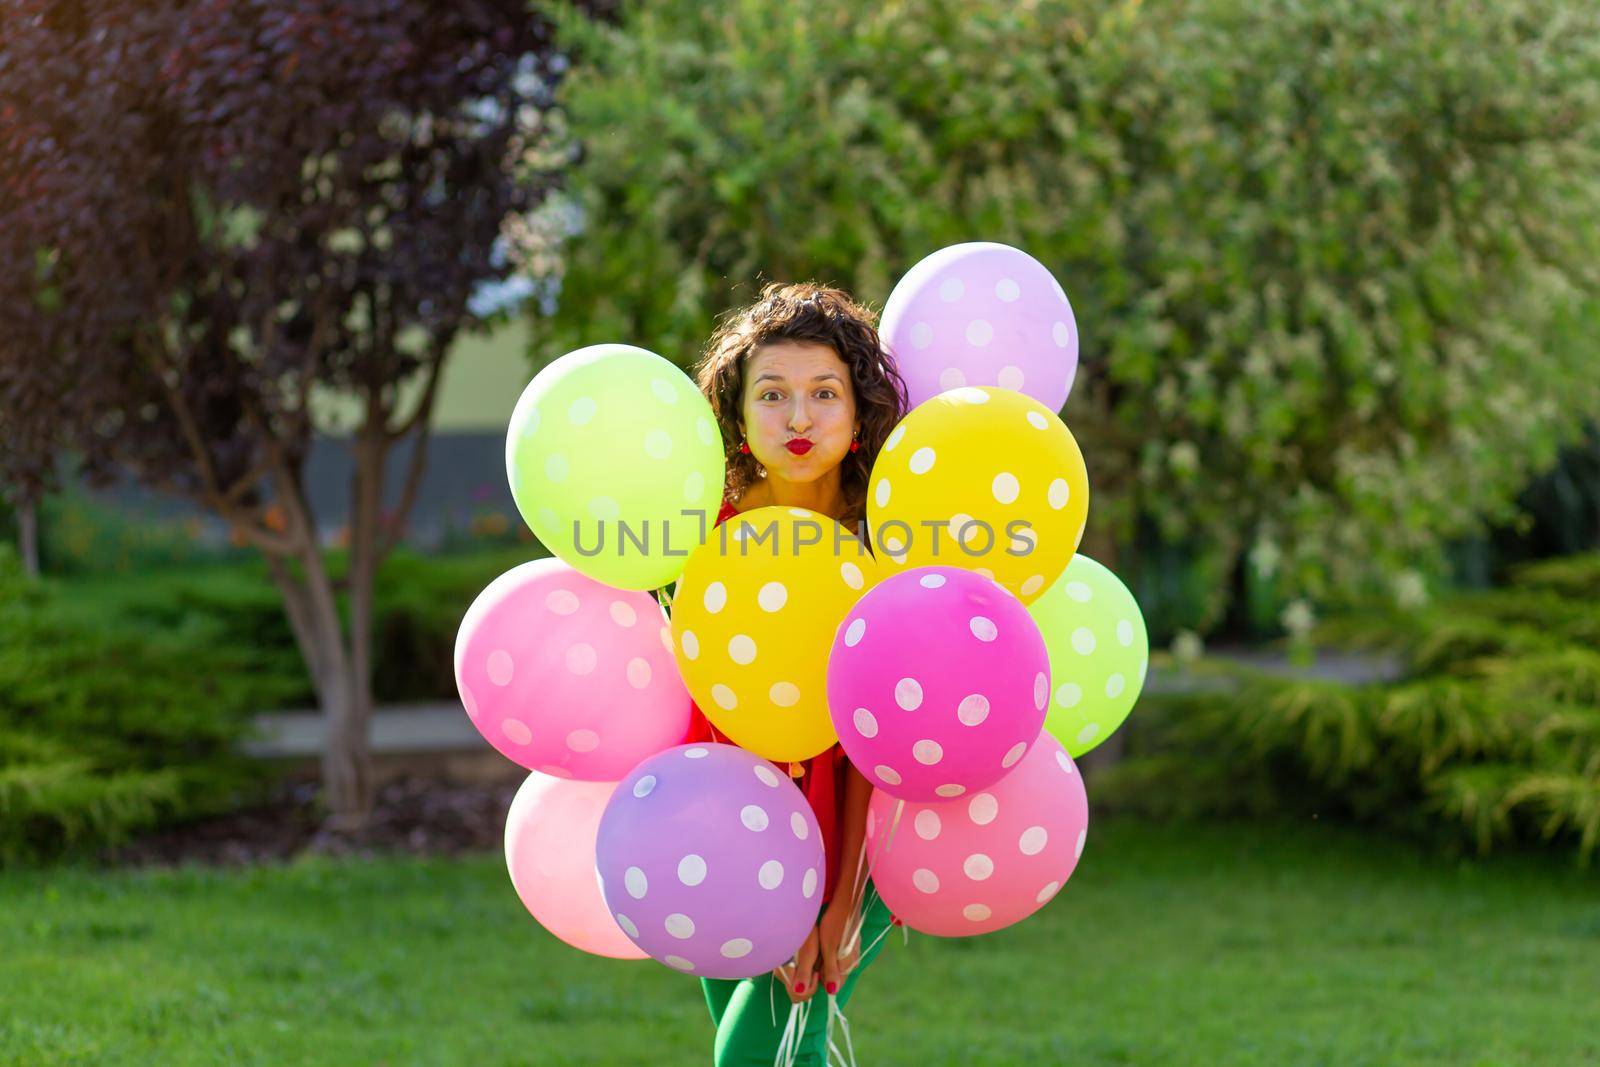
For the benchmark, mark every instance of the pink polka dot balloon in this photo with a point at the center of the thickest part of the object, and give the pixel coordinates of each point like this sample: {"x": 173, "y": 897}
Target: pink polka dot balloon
{"x": 711, "y": 861}
{"x": 550, "y": 835}
{"x": 937, "y": 683}
{"x": 982, "y": 314}
{"x": 981, "y": 863}
{"x": 569, "y": 676}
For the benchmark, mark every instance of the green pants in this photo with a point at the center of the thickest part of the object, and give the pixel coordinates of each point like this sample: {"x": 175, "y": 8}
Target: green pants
{"x": 750, "y": 1013}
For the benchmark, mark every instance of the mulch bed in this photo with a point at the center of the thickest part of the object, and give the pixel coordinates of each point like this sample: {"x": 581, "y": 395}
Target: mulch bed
{"x": 412, "y": 816}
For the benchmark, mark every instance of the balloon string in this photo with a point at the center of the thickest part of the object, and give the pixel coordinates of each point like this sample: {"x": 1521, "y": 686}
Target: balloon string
{"x": 847, "y": 1058}
{"x": 858, "y": 918}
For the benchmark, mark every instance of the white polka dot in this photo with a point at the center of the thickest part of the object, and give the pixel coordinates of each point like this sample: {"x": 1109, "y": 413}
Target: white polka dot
{"x": 1037, "y": 420}
{"x": 469, "y": 701}
{"x": 950, "y": 790}
{"x": 627, "y": 926}
{"x": 1083, "y": 641}
{"x": 548, "y": 519}
{"x": 1005, "y": 487}
{"x": 1011, "y": 378}
{"x": 691, "y": 645}
{"x": 979, "y": 333}
{"x": 715, "y": 598}
{"x": 556, "y": 467}
{"x": 973, "y": 709}
{"x": 555, "y": 771}
{"x": 851, "y": 575}
{"x": 581, "y": 410}
{"x": 886, "y": 774}
{"x": 1059, "y": 334}
{"x": 1016, "y": 753}
{"x": 1032, "y": 584}
{"x": 1007, "y": 290}
{"x": 1064, "y": 761}
{"x": 808, "y": 884}
{"x": 561, "y": 601}
{"x": 771, "y": 874}
{"x": 1114, "y": 685}
{"x": 767, "y": 775}
{"x": 1041, "y": 690}
{"x": 894, "y": 437}
{"x": 516, "y": 731}
{"x": 692, "y": 869}
{"x": 1078, "y": 591}
{"x": 784, "y": 694}
{"x": 865, "y": 722}
{"x": 663, "y": 390}
{"x": 706, "y": 432}
{"x": 1047, "y": 892}
{"x": 678, "y": 963}
{"x": 1059, "y": 493}
{"x": 951, "y": 290}
{"x": 754, "y": 817}
{"x": 925, "y": 880}
{"x": 581, "y": 658}
{"x": 973, "y": 395}
{"x": 736, "y": 949}
{"x": 666, "y": 638}
{"x": 644, "y": 785}
{"x": 639, "y": 673}
{"x": 881, "y": 493}
{"x": 622, "y": 613}
{"x": 693, "y": 486}
{"x": 983, "y": 628}
{"x": 1083, "y": 835}
{"x": 908, "y": 694}
{"x": 797, "y": 824}
{"x": 1068, "y": 694}
{"x": 583, "y": 740}
{"x": 773, "y": 596}
{"x": 983, "y": 808}
{"x": 951, "y": 378}
{"x": 658, "y": 444}
{"x": 922, "y": 460}
{"x": 697, "y": 752}
{"x": 985, "y": 571}
{"x": 931, "y": 581}
{"x": 927, "y": 824}
{"x": 1088, "y": 733}
{"x": 963, "y": 528}
{"x": 978, "y": 866}
{"x": 976, "y": 912}
{"x": 635, "y": 881}
{"x": 532, "y": 425}
{"x": 927, "y": 752}
{"x": 1124, "y": 633}
{"x": 500, "y": 667}
{"x": 742, "y": 649}
{"x": 679, "y": 926}
{"x": 921, "y": 335}
{"x": 604, "y": 508}
{"x": 855, "y": 632}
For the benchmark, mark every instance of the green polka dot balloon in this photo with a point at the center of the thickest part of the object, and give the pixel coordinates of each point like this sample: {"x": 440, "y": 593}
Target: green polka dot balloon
{"x": 607, "y": 448}
{"x": 1099, "y": 653}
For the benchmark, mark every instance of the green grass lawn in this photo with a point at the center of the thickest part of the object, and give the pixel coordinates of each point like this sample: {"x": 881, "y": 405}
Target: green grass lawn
{"x": 1213, "y": 945}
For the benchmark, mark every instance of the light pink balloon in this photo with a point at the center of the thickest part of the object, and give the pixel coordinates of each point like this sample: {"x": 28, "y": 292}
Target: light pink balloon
{"x": 982, "y": 314}
{"x": 569, "y": 676}
{"x": 937, "y": 683}
{"x": 550, "y": 836}
{"x": 981, "y": 863}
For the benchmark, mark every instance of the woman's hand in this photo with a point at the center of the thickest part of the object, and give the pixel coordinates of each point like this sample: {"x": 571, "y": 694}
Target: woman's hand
{"x": 830, "y": 935}
{"x": 799, "y": 977}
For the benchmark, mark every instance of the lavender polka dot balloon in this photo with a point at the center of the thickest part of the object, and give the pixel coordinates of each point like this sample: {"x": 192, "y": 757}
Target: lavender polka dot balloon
{"x": 982, "y": 314}
{"x": 711, "y": 861}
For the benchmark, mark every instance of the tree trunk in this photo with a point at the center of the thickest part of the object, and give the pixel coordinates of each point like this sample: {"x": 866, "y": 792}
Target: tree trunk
{"x": 28, "y": 537}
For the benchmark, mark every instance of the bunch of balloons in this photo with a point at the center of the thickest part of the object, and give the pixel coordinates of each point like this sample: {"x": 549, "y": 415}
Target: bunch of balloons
{"x": 962, "y": 662}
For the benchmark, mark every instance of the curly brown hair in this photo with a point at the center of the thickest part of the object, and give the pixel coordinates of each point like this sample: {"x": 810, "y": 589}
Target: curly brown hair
{"x": 805, "y": 312}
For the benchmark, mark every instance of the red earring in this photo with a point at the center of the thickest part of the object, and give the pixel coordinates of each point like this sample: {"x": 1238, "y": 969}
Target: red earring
{"x": 855, "y": 445}
{"x": 744, "y": 446}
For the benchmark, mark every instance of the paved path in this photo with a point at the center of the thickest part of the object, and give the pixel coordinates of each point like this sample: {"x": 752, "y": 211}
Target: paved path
{"x": 443, "y": 727}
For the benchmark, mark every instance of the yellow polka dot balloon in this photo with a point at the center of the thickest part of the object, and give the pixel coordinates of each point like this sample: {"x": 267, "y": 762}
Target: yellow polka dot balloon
{"x": 753, "y": 621}
{"x": 616, "y": 464}
{"x": 982, "y": 478}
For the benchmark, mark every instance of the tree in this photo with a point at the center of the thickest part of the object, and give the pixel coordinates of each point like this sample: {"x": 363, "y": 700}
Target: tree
{"x": 213, "y": 212}
{"x": 1333, "y": 262}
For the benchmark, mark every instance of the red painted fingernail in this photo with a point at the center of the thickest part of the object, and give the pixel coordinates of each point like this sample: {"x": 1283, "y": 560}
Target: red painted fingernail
{"x": 833, "y": 987}
{"x": 799, "y": 987}
{"x": 896, "y": 920}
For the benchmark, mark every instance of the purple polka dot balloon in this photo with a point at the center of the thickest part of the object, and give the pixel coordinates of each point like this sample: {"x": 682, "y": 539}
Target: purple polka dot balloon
{"x": 982, "y": 314}
{"x": 711, "y": 861}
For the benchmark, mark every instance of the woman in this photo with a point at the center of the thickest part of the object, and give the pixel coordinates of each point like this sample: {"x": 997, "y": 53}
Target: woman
{"x": 805, "y": 396}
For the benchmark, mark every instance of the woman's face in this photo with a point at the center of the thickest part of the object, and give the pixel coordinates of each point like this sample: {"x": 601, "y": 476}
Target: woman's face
{"x": 793, "y": 391}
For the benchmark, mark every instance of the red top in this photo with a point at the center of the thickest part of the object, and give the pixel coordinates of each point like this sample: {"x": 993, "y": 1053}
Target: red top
{"x": 816, "y": 777}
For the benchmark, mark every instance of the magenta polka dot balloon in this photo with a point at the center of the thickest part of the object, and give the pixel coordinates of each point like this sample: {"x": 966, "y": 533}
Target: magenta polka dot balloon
{"x": 981, "y": 863}
{"x": 938, "y": 681}
{"x": 711, "y": 861}
{"x": 569, "y": 676}
{"x": 982, "y": 314}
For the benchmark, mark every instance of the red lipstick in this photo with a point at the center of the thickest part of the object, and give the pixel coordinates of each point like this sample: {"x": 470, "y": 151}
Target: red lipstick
{"x": 799, "y": 446}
